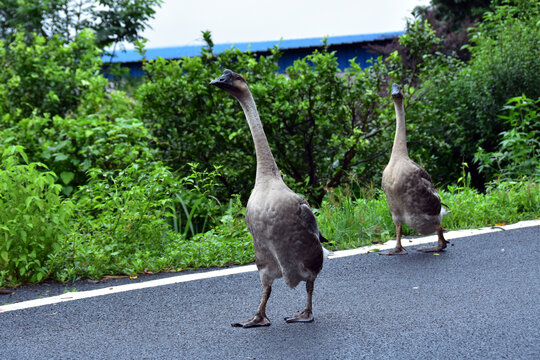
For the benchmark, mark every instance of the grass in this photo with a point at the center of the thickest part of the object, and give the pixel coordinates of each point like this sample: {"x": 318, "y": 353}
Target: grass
{"x": 90, "y": 256}
{"x": 347, "y": 219}
{"x": 503, "y": 203}
{"x": 350, "y": 221}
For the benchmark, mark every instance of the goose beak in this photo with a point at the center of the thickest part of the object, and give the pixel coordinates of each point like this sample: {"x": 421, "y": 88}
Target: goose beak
{"x": 224, "y": 81}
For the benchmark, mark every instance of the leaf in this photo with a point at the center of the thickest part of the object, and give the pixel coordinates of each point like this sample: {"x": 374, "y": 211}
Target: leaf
{"x": 61, "y": 157}
{"x": 67, "y": 177}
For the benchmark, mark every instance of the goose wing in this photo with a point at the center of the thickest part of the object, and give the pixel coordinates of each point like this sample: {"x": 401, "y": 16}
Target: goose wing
{"x": 307, "y": 216}
{"x": 423, "y": 191}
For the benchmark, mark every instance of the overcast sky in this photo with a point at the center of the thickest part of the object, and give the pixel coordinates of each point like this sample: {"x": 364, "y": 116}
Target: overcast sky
{"x": 233, "y": 21}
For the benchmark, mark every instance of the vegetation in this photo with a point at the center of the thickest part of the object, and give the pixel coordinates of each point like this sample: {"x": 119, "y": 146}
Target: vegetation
{"x": 350, "y": 220}
{"x": 33, "y": 218}
{"x": 113, "y": 21}
{"x": 322, "y": 124}
{"x": 96, "y": 181}
{"x": 463, "y": 106}
{"x": 519, "y": 147}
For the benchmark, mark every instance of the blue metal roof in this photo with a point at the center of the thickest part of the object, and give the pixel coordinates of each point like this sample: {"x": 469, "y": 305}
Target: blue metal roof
{"x": 177, "y": 52}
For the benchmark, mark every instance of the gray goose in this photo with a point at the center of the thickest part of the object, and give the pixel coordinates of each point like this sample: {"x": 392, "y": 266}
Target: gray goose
{"x": 410, "y": 193}
{"x": 285, "y": 232}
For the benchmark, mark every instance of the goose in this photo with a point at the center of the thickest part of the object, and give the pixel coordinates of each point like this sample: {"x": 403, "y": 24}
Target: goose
{"x": 286, "y": 237}
{"x": 410, "y": 193}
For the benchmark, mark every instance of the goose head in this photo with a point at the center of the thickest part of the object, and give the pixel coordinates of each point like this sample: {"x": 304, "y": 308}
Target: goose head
{"x": 397, "y": 92}
{"x": 231, "y": 82}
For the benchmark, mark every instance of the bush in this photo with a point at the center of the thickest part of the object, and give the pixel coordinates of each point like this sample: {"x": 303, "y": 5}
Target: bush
{"x": 119, "y": 214}
{"x": 518, "y": 154}
{"x": 121, "y": 225}
{"x": 462, "y": 107}
{"x": 327, "y": 127}
{"x": 70, "y": 146}
{"x": 323, "y": 126}
{"x": 194, "y": 123}
{"x": 33, "y": 218}
{"x": 46, "y": 76}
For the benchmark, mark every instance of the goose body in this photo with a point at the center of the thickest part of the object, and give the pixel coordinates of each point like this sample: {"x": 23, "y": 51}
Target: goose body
{"x": 410, "y": 193}
{"x": 285, "y": 234}
{"x": 411, "y": 196}
{"x": 286, "y": 237}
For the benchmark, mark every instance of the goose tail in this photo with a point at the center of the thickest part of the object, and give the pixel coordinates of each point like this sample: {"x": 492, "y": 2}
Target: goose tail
{"x": 322, "y": 239}
{"x": 445, "y": 209}
{"x": 326, "y": 252}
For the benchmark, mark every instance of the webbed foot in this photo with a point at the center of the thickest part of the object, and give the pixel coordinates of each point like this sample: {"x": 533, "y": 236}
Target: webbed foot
{"x": 395, "y": 251}
{"x": 305, "y": 316}
{"x": 257, "y": 320}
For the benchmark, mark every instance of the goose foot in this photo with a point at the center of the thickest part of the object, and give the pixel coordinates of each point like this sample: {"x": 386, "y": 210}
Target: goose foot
{"x": 395, "y": 251}
{"x": 305, "y": 316}
{"x": 440, "y": 246}
{"x": 257, "y": 320}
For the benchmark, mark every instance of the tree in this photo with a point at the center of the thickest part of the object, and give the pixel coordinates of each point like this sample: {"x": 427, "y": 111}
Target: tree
{"x": 462, "y": 105}
{"x": 450, "y": 19}
{"x": 114, "y": 21}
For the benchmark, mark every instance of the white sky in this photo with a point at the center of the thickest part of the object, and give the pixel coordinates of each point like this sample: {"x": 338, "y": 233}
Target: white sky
{"x": 180, "y": 22}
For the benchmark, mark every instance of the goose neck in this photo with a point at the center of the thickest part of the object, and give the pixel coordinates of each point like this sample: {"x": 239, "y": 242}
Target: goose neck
{"x": 266, "y": 165}
{"x": 400, "y": 139}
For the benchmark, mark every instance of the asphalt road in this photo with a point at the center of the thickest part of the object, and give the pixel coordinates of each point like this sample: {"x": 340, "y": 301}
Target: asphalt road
{"x": 478, "y": 300}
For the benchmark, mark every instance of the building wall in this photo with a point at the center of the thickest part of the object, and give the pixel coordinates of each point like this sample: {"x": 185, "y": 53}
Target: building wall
{"x": 344, "y": 52}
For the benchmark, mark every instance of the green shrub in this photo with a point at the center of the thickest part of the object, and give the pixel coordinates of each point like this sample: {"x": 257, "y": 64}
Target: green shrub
{"x": 121, "y": 225}
{"x": 323, "y": 126}
{"x": 327, "y": 126}
{"x": 70, "y": 146}
{"x": 194, "y": 123}
{"x": 195, "y": 209}
{"x": 34, "y": 219}
{"x": 461, "y": 107}
{"x": 46, "y": 76}
{"x": 519, "y": 148}
{"x": 119, "y": 215}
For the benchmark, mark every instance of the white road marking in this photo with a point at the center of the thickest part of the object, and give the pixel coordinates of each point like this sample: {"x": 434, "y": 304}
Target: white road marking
{"x": 248, "y": 268}
{"x": 420, "y": 240}
{"x": 128, "y": 287}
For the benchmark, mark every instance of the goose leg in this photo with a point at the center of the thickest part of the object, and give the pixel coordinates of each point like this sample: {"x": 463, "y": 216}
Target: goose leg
{"x": 260, "y": 318}
{"x": 398, "y": 250}
{"x": 441, "y": 245}
{"x": 307, "y": 314}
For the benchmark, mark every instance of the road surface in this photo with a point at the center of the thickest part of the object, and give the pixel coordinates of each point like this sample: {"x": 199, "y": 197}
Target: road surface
{"x": 477, "y": 300}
